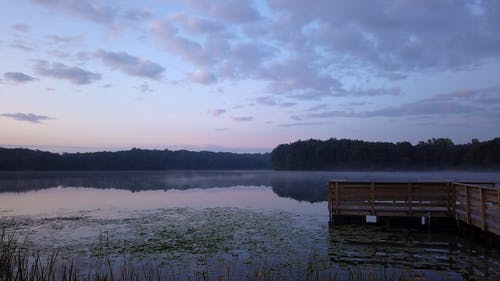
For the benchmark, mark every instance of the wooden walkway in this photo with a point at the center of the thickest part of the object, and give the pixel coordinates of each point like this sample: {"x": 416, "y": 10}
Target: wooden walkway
{"x": 474, "y": 203}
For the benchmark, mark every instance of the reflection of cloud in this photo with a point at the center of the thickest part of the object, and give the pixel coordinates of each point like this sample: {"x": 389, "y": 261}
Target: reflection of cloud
{"x": 131, "y": 65}
{"x": 18, "y": 77}
{"x": 28, "y": 117}
{"x": 243, "y": 119}
{"x": 75, "y": 75}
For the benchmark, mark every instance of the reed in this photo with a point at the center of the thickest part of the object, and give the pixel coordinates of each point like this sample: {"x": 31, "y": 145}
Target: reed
{"x": 20, "y": 262}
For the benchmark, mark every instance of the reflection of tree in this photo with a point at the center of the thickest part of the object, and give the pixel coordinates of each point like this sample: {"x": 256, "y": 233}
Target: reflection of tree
{"x": 299, "y": 186}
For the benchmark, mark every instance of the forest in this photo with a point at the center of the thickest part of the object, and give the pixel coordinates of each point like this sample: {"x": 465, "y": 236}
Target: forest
{"x": 345, "y": 154}
{"x": 134, "y": 159}
{"x": 332, "y": 154}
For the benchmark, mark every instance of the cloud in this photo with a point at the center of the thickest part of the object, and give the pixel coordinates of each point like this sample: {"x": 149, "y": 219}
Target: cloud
{"x": 74, "y": 75}
{"x": 137, "y": 15}
{"x": 301, "y": 124}
{"x": 196, "y": 25}
{"x": 168, "y": 35}
{"x": 131, "y": 65}
{"x": 318, "y": 107}
{"x": 392, "y": 91}
{"x": 85, "y": 9}
{"x": 420, "y": 108}
{"x": 392, "y": 36}
{"x": 21, "y": 27}
{"x": 479, "y": 102}
{"x": 58, "y": 39}
{"x": 242, "y": 119}
{"x": 231, "y": 11}
{"x": 203, "y": 77}
{"x": 18, "y": 77}
{"x": 28, "y": 117}
{"x": 21, "y": 46}
{"x": 305, "y": 50}
{"x": 271, "y": 101}
{"x": 218, "y": 112}
{"x": 145, "y": 88}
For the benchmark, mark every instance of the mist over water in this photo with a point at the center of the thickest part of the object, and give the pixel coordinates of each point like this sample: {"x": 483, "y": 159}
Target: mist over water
{"x": 238, "y": 217}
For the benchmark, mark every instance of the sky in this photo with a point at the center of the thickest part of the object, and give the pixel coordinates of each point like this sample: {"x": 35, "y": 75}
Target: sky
{"x": 245, "y": 76}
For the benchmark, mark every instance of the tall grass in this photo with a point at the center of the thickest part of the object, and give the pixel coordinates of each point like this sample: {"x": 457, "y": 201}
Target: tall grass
{"x": 20, "y": 262}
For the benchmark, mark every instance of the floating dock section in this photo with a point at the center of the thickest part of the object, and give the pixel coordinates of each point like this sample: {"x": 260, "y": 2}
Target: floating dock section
{"x": 472, "y": 203}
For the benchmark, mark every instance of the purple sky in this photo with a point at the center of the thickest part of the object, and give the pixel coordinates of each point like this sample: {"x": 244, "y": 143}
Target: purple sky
{"x": 84, "y": 75}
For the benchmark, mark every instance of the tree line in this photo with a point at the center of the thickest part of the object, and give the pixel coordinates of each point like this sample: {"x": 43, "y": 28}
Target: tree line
{"x": 134, "y": 159}
{"x": 332, "y": 154}
{"x": 346, "y": 154}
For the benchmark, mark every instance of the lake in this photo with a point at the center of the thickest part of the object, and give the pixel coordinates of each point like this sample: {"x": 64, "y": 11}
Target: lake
{"x": 230, "y": 225}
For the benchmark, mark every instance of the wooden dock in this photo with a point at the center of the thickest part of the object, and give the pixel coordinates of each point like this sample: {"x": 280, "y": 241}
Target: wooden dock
{"x": 473, "y": 203}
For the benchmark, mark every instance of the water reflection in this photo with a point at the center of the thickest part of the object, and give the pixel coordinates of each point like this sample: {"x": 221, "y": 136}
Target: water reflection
{"x": 115, "y": 203}
{"x": 301, "y": 186}
{"x": 408, "y": 249}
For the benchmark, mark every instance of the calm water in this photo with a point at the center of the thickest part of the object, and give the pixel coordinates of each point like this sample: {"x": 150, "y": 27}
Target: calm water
{"x": 239, "y": 220}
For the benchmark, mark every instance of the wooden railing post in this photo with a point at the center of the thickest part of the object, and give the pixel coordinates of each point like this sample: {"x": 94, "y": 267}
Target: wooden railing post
{"x": 453, "y": 200}
{"x": 467, "y": 204}
{"x": 337, "y": 201}
{"x": 410, "y": 200}
{"x": 483, "y": 208}
{"x": 330, "y": 185}
{"x": 372, "y": 198}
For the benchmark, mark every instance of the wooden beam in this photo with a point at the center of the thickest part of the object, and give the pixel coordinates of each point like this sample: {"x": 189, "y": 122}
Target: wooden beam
{"x": 477, "y": 205}
{"x": 467, "y": 205}
{"x": 337, "y": 201}
{"x": 453, "y": 200}
{"x": 330, "y": 185}
{"x": 483, "y": 208}
{"x": 410, "y": 200}
{"x": 372, "y": 198}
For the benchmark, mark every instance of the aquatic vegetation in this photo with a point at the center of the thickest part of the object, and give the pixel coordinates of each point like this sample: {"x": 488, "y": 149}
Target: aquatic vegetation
{"x": 225, "y": 244}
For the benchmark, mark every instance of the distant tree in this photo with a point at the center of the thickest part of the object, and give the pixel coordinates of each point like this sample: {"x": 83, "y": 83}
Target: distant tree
{"x": 345, "y": 154}
{"x": 134, "y": 159}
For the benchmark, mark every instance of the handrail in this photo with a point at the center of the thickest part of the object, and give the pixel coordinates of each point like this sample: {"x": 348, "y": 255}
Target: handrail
{"x": 469, "y": 202}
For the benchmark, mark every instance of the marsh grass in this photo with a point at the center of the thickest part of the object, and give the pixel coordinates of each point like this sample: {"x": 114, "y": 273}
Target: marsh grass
{"x": 20, "y": 262}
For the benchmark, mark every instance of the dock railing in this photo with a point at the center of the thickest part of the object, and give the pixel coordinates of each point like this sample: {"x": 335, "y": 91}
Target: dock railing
{"x": 474, "y": 203}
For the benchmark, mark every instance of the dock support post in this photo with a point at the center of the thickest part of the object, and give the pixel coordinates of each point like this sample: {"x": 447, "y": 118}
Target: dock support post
{"x": 330, "y": 218}
{"x": 372, "y": 198}
{"x": 483, "y": 209}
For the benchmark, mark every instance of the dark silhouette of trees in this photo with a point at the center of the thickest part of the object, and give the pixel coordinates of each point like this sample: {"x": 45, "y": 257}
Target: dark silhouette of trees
{"x": 135, "y": 159}
{"x": 332, "y": 154}
{"x": 344, "y": 154}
